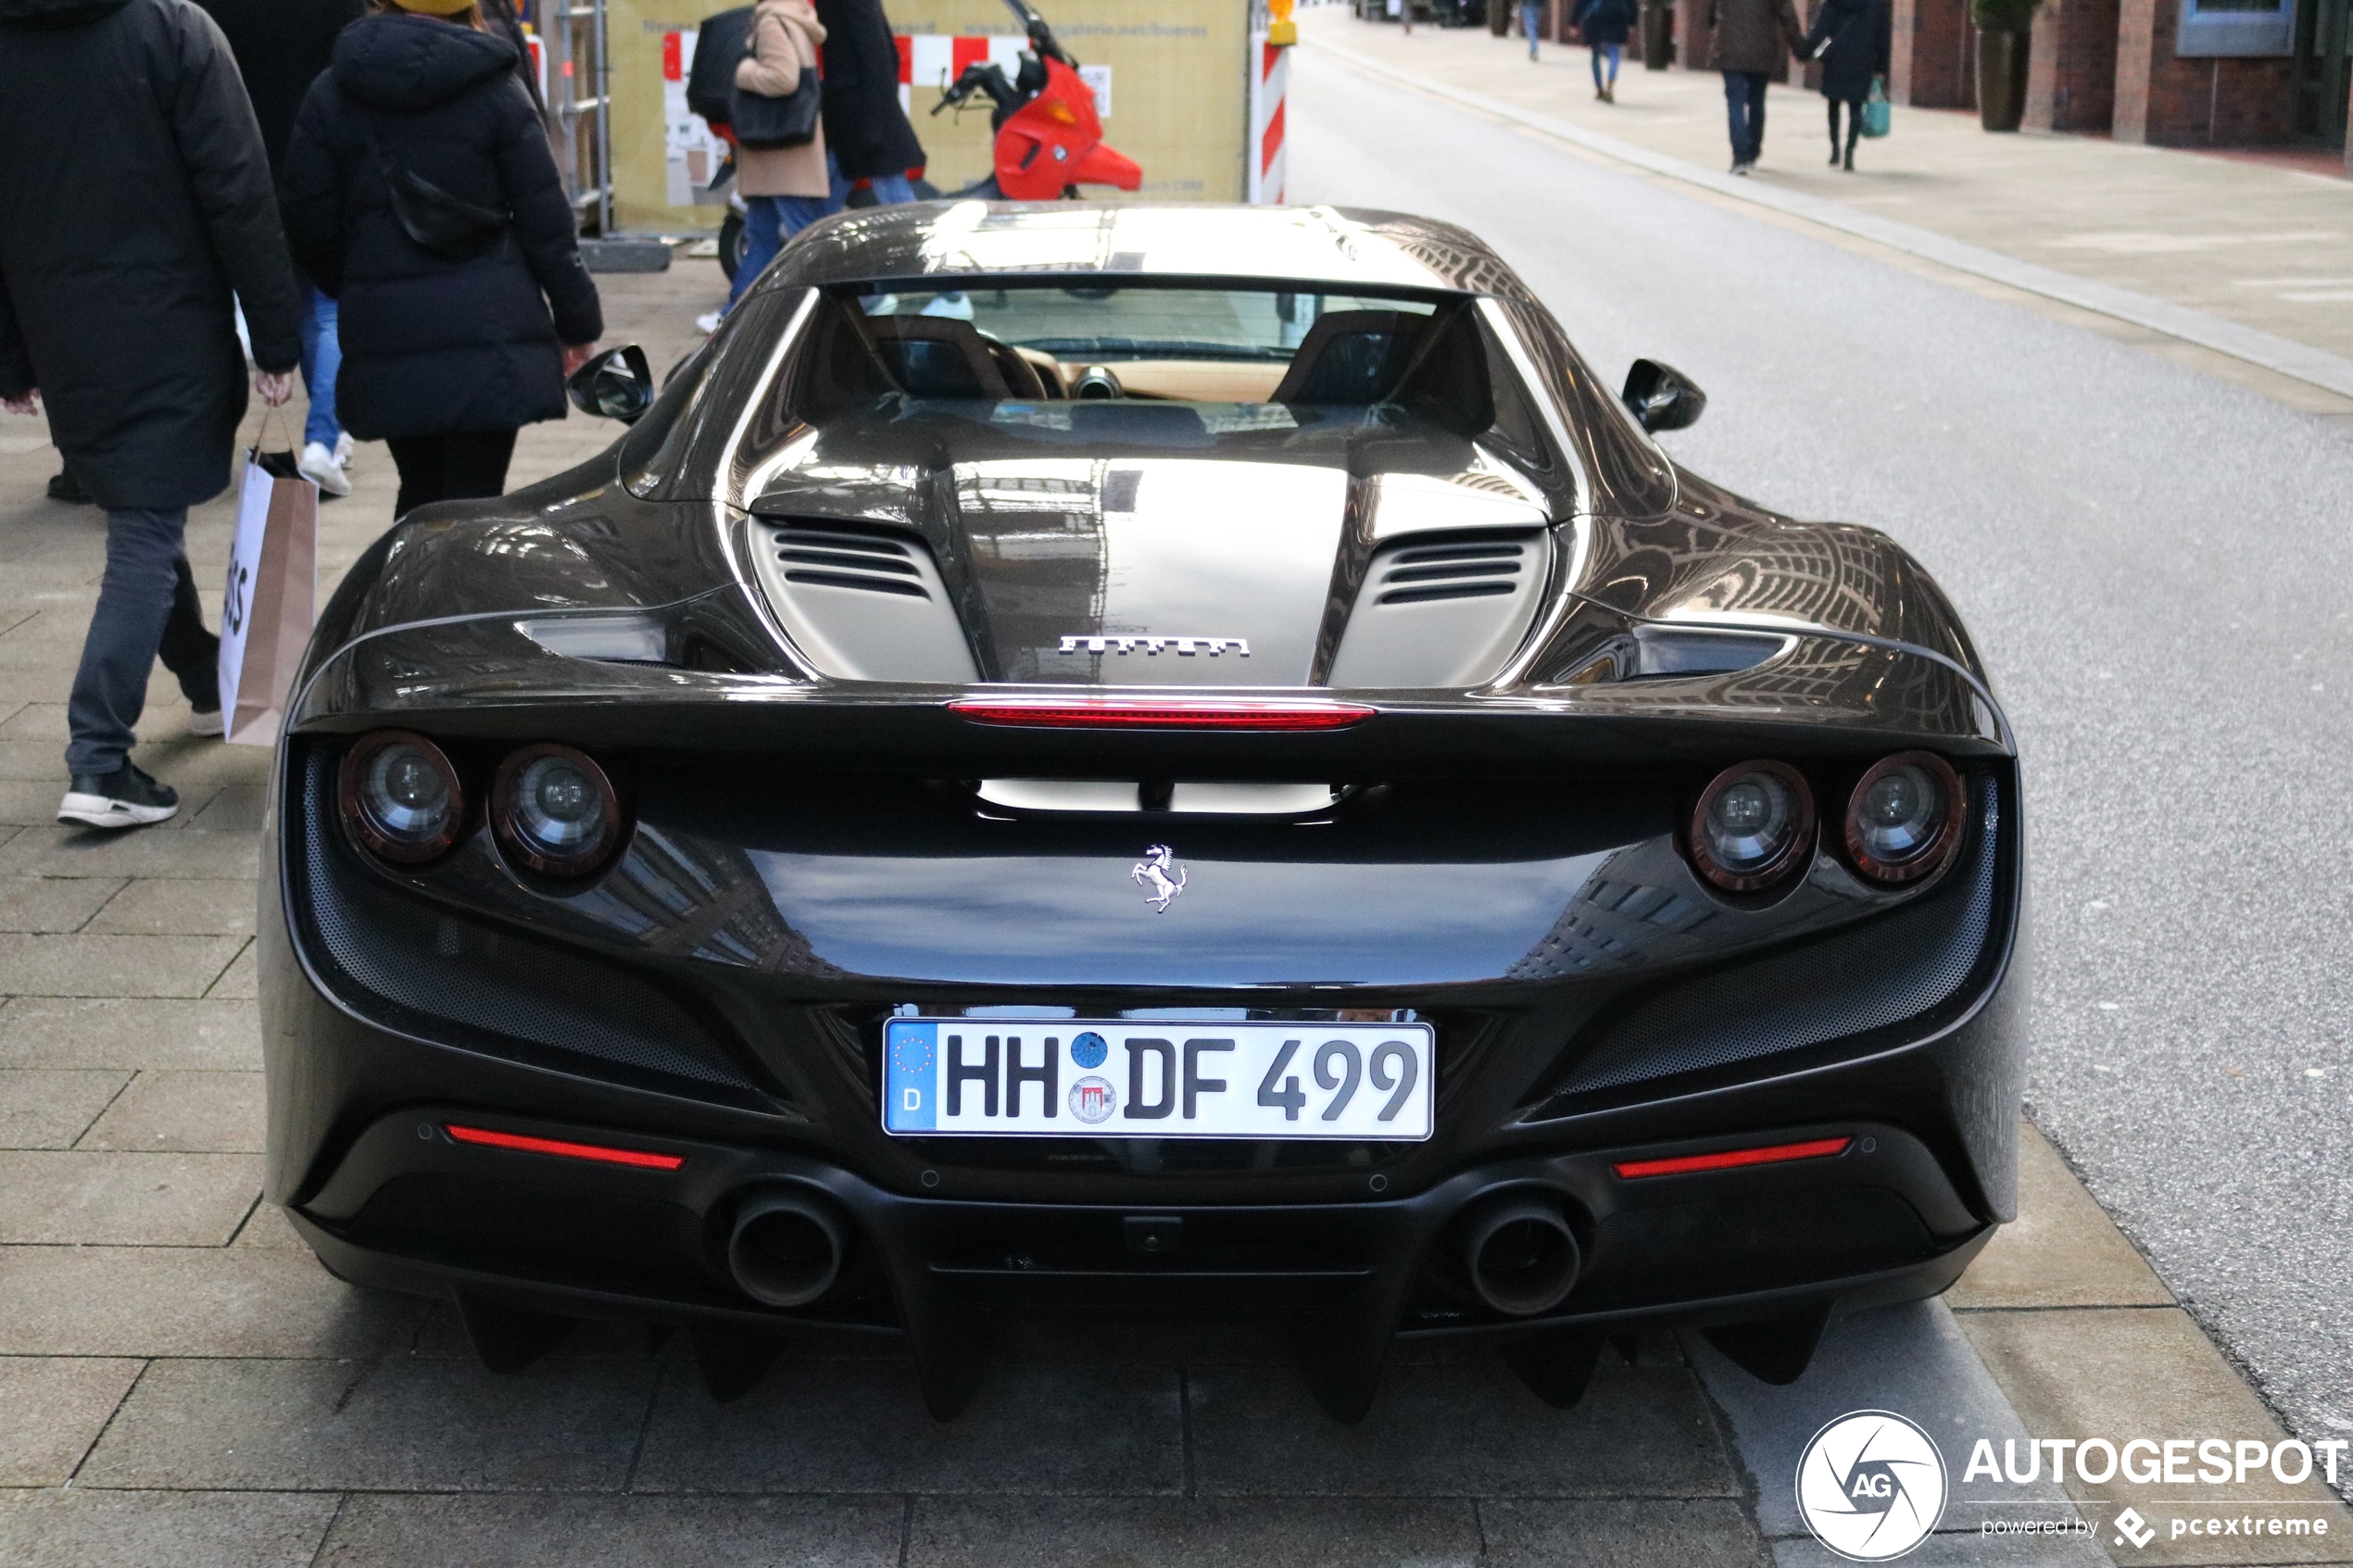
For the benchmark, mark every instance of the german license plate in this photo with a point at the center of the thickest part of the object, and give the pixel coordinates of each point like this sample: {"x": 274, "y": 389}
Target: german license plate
{"x": 1100, "y": 1078}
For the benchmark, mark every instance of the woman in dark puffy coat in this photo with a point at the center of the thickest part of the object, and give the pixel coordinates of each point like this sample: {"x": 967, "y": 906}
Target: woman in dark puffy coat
{"x": 1603, "y": 25}
{"x": 1853, "y": 41}
{"x": 419, "y": 190}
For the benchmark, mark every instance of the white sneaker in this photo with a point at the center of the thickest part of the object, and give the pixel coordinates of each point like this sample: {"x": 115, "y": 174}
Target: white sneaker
{"x": 708, "y": 322}
{"x": 318, "y": 466}
{"x": 124, "y": 798}
{"x": 344, "y": 449}
{"x": 207, "y": 724}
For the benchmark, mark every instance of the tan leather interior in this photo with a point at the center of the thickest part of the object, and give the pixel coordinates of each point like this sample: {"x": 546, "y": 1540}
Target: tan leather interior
{"x": 1189, "y": 381}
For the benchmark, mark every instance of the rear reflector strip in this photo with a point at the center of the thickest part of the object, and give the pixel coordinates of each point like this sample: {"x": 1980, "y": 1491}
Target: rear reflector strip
{"x": 1774, "y": 1154}
{"x": 639, "y": 1158}
{"x": 1118, "y": 713}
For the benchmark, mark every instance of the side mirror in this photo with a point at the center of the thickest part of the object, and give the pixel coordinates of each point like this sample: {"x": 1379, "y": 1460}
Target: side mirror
{"x": 616, "y": 384}
{"x": 1662, "y": 397}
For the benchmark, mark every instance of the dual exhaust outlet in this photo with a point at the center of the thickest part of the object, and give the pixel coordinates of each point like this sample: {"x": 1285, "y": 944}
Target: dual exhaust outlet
{"x": 1517, "y": 1250}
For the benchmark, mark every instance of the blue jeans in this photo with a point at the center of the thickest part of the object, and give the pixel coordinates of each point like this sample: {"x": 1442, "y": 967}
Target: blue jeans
{"x": 321, "y": 358}
{"x": 1611, "y": 53}
{"x": 769, "y": 221}
{"x": 146, "y": 606}
{"x": 1532, "y": 22}
{"x": 1744, "y": 105}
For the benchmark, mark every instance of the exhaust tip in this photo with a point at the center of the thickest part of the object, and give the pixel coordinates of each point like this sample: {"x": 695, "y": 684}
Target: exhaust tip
{"x": 1521, "y": 1255}
{"x": 787, "y": 1249}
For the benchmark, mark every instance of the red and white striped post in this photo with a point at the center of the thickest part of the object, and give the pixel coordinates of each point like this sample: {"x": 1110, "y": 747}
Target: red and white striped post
{"x": 1269, "y": 87}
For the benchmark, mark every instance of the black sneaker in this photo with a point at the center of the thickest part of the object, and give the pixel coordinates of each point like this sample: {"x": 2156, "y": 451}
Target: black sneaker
{"x": 124, "y": 798}
{"x": 63, "y": 488}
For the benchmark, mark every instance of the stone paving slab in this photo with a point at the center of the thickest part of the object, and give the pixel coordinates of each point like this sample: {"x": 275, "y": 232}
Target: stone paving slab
{"x": 2062, "y": 1250}
{"x": 53, "y": 903}
{"x": 51, "y": 1411}
{"x": 197, "y": 907}
{"x": 184, "y": 1112}
{"x": 71, "y": 1198}
{"x": 562, "y": 1532}
{"x": 113, "y": 1033}
{"x": 244, "y": 1300}
{"x": 51, "y": 1108}
{"x": 845, "y": 1426}
{"x": 389, "y": 1425}
{"x": 1194, "y": 1532}
{"x": 84, "y": 1529}
{"x": 1640, "y": 1533}
{"x": 114, "y": 966}
{"x": 1466, "y": 1430}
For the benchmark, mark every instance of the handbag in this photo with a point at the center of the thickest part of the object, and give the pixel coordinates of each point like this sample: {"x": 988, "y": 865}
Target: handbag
{"x": 1876, "y": 113}
{"x": 441, "y": 224}
{"x": 761, "y": 122}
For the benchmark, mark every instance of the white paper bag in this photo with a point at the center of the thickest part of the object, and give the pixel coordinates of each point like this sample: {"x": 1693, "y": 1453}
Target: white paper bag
{"x": 271, "y": 595}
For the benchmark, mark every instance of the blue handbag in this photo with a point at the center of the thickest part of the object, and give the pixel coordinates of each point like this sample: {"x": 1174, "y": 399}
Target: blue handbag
{"x": 1876, "y": 113}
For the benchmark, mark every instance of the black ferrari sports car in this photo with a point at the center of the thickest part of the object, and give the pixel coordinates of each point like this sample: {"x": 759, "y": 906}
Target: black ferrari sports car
{"x": 1158, "y": 758}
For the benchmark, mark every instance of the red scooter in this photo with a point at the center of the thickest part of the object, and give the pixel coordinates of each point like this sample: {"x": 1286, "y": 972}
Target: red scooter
{"x": 1050, "y": 140}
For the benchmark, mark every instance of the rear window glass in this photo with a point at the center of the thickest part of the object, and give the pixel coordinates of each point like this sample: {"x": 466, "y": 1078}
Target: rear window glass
{"x": 1046, "y": 344}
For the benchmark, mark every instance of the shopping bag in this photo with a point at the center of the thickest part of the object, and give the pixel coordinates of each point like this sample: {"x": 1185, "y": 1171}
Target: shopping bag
{"x": 1876, "y": 114}
{"x": 267, "y": 608}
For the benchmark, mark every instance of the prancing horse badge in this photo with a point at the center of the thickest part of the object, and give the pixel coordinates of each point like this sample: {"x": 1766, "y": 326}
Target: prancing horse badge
{"x": 1153, "y": 870}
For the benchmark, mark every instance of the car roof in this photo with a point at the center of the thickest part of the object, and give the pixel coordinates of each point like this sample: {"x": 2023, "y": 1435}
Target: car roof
{"x": 1341, "y": 246}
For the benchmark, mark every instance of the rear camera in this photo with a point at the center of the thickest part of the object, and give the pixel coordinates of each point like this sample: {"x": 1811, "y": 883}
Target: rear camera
{"x": 400, "y": 796}
{"x": 1905, "y": 817}
{"x": 555, "y": 810}
{"x": 1753, "y": 827}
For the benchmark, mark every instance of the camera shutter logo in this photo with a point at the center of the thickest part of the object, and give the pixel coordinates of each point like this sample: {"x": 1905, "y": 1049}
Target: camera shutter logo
{"x": 1871, "y": 1485}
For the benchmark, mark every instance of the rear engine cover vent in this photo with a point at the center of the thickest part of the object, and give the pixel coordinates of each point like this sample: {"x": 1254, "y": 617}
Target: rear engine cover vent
{"x": 1442, "y": 611}
{"x": 863, "y": 604}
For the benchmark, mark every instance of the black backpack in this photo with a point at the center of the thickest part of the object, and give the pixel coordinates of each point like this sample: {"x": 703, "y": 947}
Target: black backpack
{"x": 718, "y": 47}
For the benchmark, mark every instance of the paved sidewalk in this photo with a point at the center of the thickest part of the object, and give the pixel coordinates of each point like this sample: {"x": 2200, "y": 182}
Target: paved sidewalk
{"x": 2249, "y": 242}
{"x": 182, "y": 1384}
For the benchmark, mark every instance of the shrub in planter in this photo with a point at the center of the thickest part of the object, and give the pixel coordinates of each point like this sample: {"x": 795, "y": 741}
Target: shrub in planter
{"x": 2004, "y": 31}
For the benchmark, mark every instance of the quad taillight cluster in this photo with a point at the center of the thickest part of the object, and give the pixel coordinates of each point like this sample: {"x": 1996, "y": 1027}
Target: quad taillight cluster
{"x": 552, "y": 808}
{"x": 1754, "y": 827}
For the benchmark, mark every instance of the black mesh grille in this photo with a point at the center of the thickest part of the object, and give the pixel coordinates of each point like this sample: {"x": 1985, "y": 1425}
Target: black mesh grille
{"x": 408, "y": 963}
{"x": 1880, "y": 973}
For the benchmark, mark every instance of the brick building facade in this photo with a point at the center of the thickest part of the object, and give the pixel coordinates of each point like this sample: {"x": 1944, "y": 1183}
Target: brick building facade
{"x": 2166, "y": 72}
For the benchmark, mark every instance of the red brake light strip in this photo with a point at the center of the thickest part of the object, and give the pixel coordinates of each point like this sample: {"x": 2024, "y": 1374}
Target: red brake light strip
{"x": 1114, "y": 713}
{"x": 1772, "y": 1154}
{"x": 641, "y": 1159}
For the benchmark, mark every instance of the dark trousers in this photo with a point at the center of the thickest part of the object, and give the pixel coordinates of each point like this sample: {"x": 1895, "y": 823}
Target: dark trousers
{"x": 1854, "y": 126}
{"x": 467, "y": 465}
{"x": 1744, "y": 105}
{"x": 146, "y": 606}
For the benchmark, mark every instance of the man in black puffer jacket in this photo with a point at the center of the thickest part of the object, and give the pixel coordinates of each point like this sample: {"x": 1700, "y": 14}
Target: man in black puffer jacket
{"x": 134, "y": 197}
{"x": 448, "y": 348}
{"x": 867, "y": 136}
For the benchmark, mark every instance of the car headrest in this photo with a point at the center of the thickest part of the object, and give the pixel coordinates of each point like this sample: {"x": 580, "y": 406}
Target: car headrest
{"x": 936, "y": 357}
{"x": 1352, "y": 357}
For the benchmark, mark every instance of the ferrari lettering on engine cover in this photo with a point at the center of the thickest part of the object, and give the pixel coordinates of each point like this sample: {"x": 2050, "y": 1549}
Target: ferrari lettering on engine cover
{"x": 1183, "y": 647}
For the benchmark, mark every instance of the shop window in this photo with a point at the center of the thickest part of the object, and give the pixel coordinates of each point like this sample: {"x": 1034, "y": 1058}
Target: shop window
{"x": 2237, "y": 27}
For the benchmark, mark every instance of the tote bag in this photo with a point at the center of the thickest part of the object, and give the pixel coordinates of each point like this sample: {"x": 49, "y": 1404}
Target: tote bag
{"x": 1875, "y": 110}
{"x": 266, "y": 611}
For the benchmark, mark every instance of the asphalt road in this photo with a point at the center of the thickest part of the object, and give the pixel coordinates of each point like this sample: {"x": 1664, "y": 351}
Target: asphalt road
{"x": 2156, "y": 566}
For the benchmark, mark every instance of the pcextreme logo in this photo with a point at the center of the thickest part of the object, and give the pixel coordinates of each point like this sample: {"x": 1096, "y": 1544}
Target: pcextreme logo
{"x": 1871, "y": 1485}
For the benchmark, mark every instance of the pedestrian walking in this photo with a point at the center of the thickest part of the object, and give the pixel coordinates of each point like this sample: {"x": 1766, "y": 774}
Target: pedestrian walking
{"x": 281, "y": 45}
{"x": 134, "y": 200}
{"x": 1532, "y": 22}
{"x": 1749, "y": 35}
{"x": 1603, "y": 25}
{"x": 1854, "y": 40}
{"x": 785, "y": 189}
{"x": 420, "y": 194}
{"x": 867, "y": 136}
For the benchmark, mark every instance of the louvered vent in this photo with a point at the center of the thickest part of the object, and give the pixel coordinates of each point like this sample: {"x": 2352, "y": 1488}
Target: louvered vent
{"x": 1449, "y": 571}
{"x": 863, "y": 604}
{"x": 1437, "y": 611}
{"x": 866, "y": 562}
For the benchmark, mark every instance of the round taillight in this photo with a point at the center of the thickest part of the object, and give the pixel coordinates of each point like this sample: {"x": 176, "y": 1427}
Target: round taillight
{"x": 1905, "y": 817}
{"x": 554, "y": 810}
{"x": 1754, "y": 826}
{"x": 400, "y": 796}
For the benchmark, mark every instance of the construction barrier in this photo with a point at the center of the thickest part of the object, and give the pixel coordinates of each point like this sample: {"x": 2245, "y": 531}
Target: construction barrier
{"x": 1189, "y": 89}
